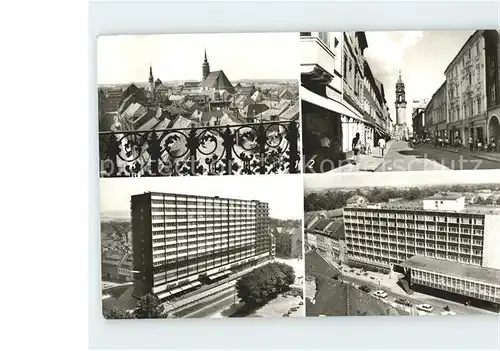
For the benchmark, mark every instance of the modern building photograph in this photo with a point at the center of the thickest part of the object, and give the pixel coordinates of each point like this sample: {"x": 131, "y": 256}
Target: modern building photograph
{"x": 198, "y": 104}
{"x": 398, "y": 245}
{"x": 400, "y": 101}
{"x": 202, "y": 249}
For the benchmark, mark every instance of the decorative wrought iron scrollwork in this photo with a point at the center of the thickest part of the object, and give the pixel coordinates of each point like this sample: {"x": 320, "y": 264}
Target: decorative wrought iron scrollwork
{"x": 257, "y": 148}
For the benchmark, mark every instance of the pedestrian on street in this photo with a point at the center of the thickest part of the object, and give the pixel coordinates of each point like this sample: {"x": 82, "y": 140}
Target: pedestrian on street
{"x": 321, "y": 159}
{"x": 356, "y": 147}
{"x": 471, "y": 144}
{"x": 381, "y": 145}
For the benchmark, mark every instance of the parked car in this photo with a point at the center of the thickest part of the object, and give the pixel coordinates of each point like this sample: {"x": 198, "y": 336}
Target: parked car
{"x": 448, "y": 313}
{"x": 301, "y": 303}
{"x": 351, "y": 271}
{"x": 403, "y": 302}
{"x": 365, "y": 274}
{"x": 425, "y": 307}
{"x": 365, "y": 289}
{"x": 380, "y": 293}
{"x": 286, "y": 315}
{"x": 357, "y": 273}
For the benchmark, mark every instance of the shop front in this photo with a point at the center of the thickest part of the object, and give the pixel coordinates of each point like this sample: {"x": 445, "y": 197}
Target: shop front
{"x": 328, "y": 128}
{"x": 494, "y": 125}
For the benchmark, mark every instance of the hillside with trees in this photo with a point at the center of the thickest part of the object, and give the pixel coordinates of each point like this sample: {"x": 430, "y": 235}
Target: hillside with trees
{"x": 333, "y": 199}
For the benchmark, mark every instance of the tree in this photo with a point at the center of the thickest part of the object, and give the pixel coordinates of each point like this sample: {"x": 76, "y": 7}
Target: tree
{"x": 149, "y": 306}
{"x": 117, "y": 313}
{"x": 264, "y": 283}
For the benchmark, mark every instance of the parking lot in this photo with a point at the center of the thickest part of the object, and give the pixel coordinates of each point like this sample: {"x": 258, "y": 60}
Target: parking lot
{"x": 388, "y": 283}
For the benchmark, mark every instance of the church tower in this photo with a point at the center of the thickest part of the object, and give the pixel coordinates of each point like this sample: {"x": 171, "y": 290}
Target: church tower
{"x": 400, "y": 127}
{"x": 151, "y": 85}
{"x": 205, "y": 67}
{"x": 400, "y": 101}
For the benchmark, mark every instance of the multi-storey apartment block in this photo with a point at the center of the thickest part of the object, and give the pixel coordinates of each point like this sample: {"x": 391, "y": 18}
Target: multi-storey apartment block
{"x": 181, "y": 241}
{"x": 440, "y": 232}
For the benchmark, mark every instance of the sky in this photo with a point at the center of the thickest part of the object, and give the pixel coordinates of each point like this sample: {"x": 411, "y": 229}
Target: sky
{"x": 126, "y": 58}
{"x": 284, "y": 193}
{"x": 422, "y": 57}
{"x": 402, "y": 179}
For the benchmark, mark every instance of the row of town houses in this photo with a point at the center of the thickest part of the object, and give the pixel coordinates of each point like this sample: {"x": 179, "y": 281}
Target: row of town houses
{"x": 467, "y": 104}
{"x": 340, "y": 94}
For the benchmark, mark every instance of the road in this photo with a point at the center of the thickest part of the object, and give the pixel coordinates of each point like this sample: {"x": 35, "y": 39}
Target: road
{"x": 402, "y": 157}
{"x": 437, "y": 303}
{"x": 213, "y": 306}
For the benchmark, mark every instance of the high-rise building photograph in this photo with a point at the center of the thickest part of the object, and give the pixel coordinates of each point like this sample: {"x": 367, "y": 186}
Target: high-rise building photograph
{"x": 198, "y": 104}
{"x": 180, "y": 249}
{"x": 400, "y": 101}
{"x": 402, "y": 245}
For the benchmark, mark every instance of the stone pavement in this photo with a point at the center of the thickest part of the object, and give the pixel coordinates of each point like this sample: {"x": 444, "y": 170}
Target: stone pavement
{"x": 367, "y": 163}
{"x": 485, "y": 155}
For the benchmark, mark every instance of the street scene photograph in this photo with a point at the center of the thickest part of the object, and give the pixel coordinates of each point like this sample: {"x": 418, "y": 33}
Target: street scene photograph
{"x": 198, "y": 104}
{"x": 400, "y": 101}
{"x": 214, "y": 247}
{"x": 393, "y": 246}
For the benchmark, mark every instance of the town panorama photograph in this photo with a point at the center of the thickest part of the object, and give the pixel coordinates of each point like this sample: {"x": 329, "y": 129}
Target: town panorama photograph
{"x": 400, "y": 101}
{"x": 401, "y": 246}
{"x": 198, "y": 104}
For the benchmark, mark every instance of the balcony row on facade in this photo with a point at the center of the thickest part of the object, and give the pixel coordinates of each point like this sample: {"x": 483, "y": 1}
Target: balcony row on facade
{"x": 418, "y": 231}
{"x": 394, "y": 259}
{"x": 202, "y": 238}
{"x": 357, "y": 237}
{"x": 409, "y": 214}
{"x": 412, "y": 249}
{"x": 200, "y": 247}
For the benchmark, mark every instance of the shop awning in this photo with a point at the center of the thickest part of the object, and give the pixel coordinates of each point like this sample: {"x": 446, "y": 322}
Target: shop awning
{"x": 164, "y": 295}
{"x": 218, "y": 275}
{"x": 329, "y": 104}
{"x": 175, "y": 291}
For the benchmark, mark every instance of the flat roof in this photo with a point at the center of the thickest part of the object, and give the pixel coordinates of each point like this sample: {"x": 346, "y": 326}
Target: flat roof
{"x": 444, "y": 197}
{"x": 481, "y": 274}
{"x": 155, "y": 193}
{"x": 417, "y": 205}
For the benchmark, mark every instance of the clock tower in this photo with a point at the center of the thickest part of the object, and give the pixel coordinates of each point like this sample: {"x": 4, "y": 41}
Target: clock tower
{"x": 400, "y": 129}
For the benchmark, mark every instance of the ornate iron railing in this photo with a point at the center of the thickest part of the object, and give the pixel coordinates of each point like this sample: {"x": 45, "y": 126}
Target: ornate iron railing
{"x": 257, "y": 148}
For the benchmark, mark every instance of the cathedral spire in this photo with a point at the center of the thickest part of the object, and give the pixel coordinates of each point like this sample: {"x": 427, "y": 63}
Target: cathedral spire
{"x": 151, "y": 73}
{"x": 205, "y": 67}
